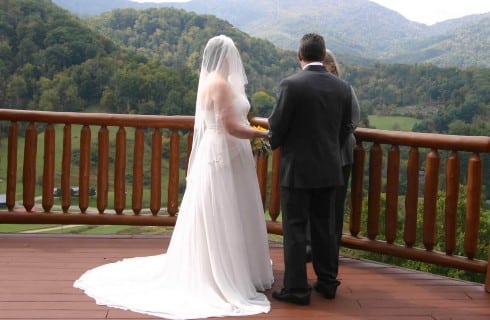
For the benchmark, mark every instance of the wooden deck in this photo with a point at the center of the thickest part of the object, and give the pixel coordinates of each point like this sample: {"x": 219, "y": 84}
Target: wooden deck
{"x": 37, "y": 273}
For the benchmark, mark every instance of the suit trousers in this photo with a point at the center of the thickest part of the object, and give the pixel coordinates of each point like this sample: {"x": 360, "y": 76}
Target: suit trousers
{"x": 314, "y": 208}
{"x": 340, "y": 198}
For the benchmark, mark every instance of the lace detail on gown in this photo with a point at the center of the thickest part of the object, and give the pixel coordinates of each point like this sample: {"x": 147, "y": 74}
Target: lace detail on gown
{"x": 218, "y": 258}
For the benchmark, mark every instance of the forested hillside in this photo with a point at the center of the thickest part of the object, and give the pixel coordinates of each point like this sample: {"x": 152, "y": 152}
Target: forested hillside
{"x": 52, "y": 60}
{"x": 176, "y": 37}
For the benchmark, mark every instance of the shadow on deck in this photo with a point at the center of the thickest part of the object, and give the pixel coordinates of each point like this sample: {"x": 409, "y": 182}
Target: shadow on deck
{"x": 37, "y": 273}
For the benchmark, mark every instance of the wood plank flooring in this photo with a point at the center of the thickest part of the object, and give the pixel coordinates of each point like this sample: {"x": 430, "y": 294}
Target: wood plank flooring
{"x": 37, "y": 273}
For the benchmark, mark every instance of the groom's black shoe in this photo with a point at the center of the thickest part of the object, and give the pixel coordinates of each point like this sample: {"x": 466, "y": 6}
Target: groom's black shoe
{"x": 296, "y": 297}
{"x": 328, "y": 292}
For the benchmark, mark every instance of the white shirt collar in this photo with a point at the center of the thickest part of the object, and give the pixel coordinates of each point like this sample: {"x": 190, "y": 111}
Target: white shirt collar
{"x": 316, "y": 63}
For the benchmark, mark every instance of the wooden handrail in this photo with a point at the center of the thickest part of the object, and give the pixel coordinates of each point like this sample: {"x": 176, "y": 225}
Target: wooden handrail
{"x": 155, "y": 134}
{"x": 425, "y": 140}
{"x": 99, "y": 119}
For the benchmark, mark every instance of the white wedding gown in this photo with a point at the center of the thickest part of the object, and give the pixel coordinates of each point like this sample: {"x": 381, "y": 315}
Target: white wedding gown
{"x": 218, "y": 258}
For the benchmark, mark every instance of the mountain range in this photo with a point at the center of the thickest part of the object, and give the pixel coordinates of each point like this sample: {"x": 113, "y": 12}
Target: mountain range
{"x": 359, "y": 31}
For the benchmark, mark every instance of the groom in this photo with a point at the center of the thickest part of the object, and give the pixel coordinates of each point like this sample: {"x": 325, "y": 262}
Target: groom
{"x": 310, "y": 122}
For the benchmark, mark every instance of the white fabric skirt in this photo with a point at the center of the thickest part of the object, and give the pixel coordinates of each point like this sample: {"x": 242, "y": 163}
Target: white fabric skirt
{"x": 217, "y": 263}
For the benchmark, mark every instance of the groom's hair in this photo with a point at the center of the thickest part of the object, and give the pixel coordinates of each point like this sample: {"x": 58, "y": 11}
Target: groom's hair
{"x": 312, "y": 47}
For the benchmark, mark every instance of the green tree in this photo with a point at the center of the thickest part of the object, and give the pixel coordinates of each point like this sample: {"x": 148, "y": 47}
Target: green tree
{"x": 16, "y": 92}
{"x": 262, "y": 103}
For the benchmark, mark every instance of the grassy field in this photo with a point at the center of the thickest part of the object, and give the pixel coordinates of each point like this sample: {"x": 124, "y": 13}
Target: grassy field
{"x": 99, "y": 230}
{"x": 83, "y": 229}
{"x": 96, "y": 230}
{"x": 14, "y": 228}
{"x": 396, "y": 123}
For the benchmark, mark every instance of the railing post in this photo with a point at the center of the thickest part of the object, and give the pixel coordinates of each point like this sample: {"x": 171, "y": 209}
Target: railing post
{"x": 156, "y": 170}
{"x": 138, "y": 152}
{"x": 29, "y": 177}
{"x": 451, "y": 205}
{"x": 392, "y": 185}
{"x": 66, "y": 169}
{"x": 374, "y": 198}
{"x": 412, "y": 198}
{"x": 84, "y": 174}
{"x": 13, "y": 141}
{"x": 48, "y": 172}
{"x": 120, "y": 172}
{"x": 431, "y": 188}
{"x": 473, "y": 205}
{"x": 103, "y": 170}
{"x": 173, "y": 176}
{"x": 357, "y": 188}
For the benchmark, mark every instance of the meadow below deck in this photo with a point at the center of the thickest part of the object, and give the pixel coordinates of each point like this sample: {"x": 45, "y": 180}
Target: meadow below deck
{"x": 37, "y": 273}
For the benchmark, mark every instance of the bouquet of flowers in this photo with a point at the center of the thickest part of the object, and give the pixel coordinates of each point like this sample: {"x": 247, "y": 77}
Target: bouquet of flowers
{"x": 260, "y": 146}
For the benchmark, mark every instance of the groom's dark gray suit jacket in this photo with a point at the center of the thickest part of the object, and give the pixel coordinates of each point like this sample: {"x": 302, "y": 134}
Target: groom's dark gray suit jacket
{"x": 310, "y": 122}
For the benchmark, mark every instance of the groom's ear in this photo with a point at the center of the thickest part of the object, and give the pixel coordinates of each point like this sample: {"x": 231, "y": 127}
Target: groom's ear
{"x": 300, "y": 57}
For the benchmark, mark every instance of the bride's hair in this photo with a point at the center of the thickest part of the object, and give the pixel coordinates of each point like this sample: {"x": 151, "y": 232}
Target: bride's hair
{"x": 221, "y": 55}
{"x": 331, "y": 61}
{"x": 212, "y": 54}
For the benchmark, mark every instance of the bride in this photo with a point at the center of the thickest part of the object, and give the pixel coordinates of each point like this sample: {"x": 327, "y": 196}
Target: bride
{"x": 217, "y": 263}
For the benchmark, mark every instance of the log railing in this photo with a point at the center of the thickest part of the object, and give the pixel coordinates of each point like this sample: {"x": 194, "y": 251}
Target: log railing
{"x": 93, "y": 165}
{"x": 416, "y": 144}
{"x": 77, "y": 210}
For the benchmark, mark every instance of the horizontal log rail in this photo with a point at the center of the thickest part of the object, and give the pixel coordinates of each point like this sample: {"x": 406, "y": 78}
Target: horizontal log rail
{"x": 152, "y": 134}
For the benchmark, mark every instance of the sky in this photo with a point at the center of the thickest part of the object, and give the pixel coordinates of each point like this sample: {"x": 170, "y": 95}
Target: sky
{"x": 433, "y": 11}
{"x": 424, "y": 11}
